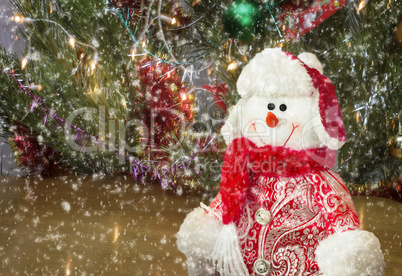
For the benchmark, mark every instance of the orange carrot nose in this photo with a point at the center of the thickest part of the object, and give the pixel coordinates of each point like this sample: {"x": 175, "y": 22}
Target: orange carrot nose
{"x": 271, "y": 120}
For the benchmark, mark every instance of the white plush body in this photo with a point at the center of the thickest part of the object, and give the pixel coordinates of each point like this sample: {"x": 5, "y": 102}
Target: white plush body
{"x": 271, "y": 78}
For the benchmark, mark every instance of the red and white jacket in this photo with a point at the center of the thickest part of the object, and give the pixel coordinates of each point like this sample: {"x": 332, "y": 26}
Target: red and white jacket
{"x": 283, "y": 204}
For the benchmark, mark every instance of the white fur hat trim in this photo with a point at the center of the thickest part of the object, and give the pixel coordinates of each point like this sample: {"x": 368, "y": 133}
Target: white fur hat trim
{"x": 272, "y": 73}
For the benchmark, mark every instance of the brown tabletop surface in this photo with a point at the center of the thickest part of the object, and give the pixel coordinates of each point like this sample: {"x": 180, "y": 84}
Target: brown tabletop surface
{"x": 114, "y": 225}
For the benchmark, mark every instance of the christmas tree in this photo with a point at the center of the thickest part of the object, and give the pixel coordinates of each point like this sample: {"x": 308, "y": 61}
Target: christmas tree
{"x": 91, "y": 102}
{"x": 127, "y": 72}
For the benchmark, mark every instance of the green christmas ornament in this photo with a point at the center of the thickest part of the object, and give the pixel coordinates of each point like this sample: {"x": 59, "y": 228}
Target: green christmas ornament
{"x": 243, "y": 19}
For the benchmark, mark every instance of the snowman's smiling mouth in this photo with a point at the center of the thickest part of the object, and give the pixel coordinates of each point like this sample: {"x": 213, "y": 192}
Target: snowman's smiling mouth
{"x": 294, "y": 127}
{"x": 255, "y": 129}
{"x": 262, "y": 141}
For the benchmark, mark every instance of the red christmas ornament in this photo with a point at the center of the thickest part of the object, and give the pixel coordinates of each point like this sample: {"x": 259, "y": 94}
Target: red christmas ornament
{"x": 37, "y": 159}
{"x": 162, "y": 102}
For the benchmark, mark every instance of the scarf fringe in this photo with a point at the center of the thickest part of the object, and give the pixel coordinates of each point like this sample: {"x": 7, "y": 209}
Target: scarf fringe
{"x": 226, "y": 253}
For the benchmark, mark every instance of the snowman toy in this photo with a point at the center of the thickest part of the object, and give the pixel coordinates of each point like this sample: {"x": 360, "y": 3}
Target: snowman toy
{"x": 280, "y": 209}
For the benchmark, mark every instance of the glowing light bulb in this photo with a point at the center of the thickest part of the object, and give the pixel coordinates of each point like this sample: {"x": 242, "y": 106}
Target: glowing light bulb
{"x": 20, "y": 19}
{"x": 183, "y": 96}
{"x": 17, "y": 18}
{"x": 168, "y": 19}
{"x": 144, "y": 43}
{"x": 71, "y": 42}
{"x": 93, "y": 65}
{"x": 361, "y": 6}
{"x": 123, "y": 103}
{"x": 132, "y": 53}
{"x": 24, "y": 63}
{"x": 196, "y": 2}
{"x": 232, "y": 66}
{"x": 209, "y": 71}
{"x": 35, "y": 87}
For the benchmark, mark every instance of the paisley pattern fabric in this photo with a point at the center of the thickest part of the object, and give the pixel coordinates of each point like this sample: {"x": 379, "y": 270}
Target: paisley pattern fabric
{"x": 303, "y": 211}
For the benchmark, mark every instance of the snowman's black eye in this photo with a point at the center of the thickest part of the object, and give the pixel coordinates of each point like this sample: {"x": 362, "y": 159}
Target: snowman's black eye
{"x": 271, "y": 106}
{"x": 282, "y": 107}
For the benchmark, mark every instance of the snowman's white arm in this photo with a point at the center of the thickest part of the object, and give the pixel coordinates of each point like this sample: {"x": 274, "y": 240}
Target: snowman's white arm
{"x": 196, "y": 239}
{"x": 347, "y": 251}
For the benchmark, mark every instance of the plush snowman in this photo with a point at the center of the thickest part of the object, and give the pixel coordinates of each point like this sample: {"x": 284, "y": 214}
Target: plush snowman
{"x": 281, "y": 210}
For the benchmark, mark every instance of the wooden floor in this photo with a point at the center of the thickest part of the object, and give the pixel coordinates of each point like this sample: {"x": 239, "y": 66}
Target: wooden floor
{"x": 115, "y": 226}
